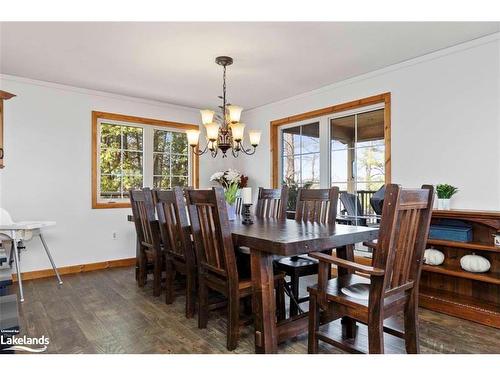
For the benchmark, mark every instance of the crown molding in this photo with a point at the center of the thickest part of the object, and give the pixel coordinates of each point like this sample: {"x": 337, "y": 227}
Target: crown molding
{"x": 84, "y": 91}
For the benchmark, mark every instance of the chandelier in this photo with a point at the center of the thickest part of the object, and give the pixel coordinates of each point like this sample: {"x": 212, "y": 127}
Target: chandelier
{"x": 224, "y": 130}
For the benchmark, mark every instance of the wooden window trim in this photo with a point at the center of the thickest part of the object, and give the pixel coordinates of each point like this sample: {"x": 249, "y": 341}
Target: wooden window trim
{"x": 4, "y": 95}
{"x": 371, "y": 100}
{"x": 96, "y": 116}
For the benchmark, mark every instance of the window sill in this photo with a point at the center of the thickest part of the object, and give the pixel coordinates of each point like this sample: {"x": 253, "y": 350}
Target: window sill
{"x": 100, "y": 205}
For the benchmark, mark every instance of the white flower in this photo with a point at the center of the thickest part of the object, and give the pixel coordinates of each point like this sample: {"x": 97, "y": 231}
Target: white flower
{"x": 216, "y": 176}
{"x": 233, "y": 175}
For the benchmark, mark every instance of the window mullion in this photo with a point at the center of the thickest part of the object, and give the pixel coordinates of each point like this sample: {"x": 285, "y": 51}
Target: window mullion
{"x": 147, "y": 156}
{"x": 121, "y": 161}
{"x": 324, "y": 152}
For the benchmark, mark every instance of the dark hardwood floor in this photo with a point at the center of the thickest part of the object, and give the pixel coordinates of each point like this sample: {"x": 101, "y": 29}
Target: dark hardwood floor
{"x": 105, "y": 312}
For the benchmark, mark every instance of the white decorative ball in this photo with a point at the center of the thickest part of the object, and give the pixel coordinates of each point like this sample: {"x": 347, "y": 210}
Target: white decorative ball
{"x": 433, "y": 257}
{"x": 475, "y": 263}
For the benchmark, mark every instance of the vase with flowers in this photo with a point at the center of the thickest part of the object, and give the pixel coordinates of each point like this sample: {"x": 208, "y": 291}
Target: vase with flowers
{"x": 231, "y": 181}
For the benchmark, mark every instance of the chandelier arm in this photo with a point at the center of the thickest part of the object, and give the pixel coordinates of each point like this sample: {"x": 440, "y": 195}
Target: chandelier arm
{"x": 234, "y": 152}
{"x": 247, "y": 151}
{"x": 214, "y": 152}
{"x": 199, "y": 153}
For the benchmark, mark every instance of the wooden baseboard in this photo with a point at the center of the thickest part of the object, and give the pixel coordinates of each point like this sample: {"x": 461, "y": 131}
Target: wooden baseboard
{"x": 127, "y": 262}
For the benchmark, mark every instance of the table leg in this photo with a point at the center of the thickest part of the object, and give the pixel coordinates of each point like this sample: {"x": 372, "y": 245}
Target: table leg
{"x": 345, "y": 252}
{"x": 264, "y": 304}
{"x": 348, "y": 324}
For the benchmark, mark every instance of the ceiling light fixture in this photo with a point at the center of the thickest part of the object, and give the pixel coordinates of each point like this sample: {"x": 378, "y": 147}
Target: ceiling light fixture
{"x": 224, "y": 131}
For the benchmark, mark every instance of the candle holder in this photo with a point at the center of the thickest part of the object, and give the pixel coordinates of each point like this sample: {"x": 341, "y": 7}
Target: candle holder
{"x": 247, "y": 218}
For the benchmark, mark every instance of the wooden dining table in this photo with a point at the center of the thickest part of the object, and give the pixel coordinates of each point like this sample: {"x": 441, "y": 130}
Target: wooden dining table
{"x": 268, "y": 238}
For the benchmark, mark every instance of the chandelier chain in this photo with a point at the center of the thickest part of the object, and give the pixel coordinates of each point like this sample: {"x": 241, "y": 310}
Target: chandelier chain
{"x": 224, "y": 96}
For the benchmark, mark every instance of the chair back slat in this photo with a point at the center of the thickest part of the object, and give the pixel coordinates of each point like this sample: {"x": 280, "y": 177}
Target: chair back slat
{"x": 271, "y": 203}
{"x": 403, "y": 234}
{"x": 174, "y": 224}
{"x": 238, "y": 205}
{"x": 143, "y": 211}
{"x": 317, "y": 205}
{"x": 211, "y": 232}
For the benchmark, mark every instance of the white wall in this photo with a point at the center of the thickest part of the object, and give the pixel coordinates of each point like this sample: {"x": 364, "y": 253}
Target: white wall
{"x": 445, "y": 120}
{"x": 48, "y": 169}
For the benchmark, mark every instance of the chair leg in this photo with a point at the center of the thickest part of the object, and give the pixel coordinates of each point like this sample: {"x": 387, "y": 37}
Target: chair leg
{"x": 376, "y": 334}
{"x": 202, "y": 304}
{"x": 190, "y": 295}
{"x": 137, "y": 256}
{"x": 312, "y": 347}
{"x": 280, "y": 300}
{"x": 143, "y": 272}
{"x": 157, "y": 267}
{"x": 295, "y": 291}
{"x": 170, "y": 270}
{"x": 233, "y": 324}
{"x": 247, "y": 306}
{"x": 411, "y": 325}
{"x": 349, "y": 328}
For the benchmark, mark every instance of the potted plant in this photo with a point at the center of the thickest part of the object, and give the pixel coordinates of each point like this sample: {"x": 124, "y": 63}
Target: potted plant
{"x": 444, "y": 193}
{"x": 231, "y": 181}
{"x": 293, "y": 191}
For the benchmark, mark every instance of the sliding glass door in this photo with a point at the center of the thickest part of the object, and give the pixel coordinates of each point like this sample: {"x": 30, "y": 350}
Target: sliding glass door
{"x": 345, "y": 150}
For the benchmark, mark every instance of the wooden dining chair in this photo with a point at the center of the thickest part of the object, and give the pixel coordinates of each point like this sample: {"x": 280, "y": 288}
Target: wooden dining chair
{"x": 148, "y": 234}
{"x": 216, "y": 259}
{"x": 176, "y": 237}
{"x": 370, "y": 294}
{"x": 271, "y": 203}
{"x": 316, "y": 206}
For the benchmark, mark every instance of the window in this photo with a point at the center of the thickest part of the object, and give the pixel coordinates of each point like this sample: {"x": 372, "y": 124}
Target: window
{"x": 132, "y": 152}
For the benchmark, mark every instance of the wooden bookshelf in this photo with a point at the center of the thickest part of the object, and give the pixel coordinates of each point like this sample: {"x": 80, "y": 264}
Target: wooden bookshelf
{"x": 448, "y": 288}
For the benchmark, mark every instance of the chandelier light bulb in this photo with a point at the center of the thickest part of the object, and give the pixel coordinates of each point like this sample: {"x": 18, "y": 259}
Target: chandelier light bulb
{"x": 193, "y": 136}
{"x": 234, "y": 113}
{"x": 254, "y": 137}
{"x": 207, "y": 116}
{"x": 212, "y": 131}
{"x": 237, "y": 130}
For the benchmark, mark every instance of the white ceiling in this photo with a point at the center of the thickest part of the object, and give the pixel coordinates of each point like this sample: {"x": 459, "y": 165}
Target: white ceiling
{"x": 174, "y": 62}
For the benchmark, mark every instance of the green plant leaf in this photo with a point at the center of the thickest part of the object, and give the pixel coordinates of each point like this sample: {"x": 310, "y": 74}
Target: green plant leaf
{"x": 446, "y": 191}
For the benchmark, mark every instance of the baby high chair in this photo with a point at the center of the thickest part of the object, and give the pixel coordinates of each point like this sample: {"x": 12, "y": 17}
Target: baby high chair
{"x": 18, "y": 233}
